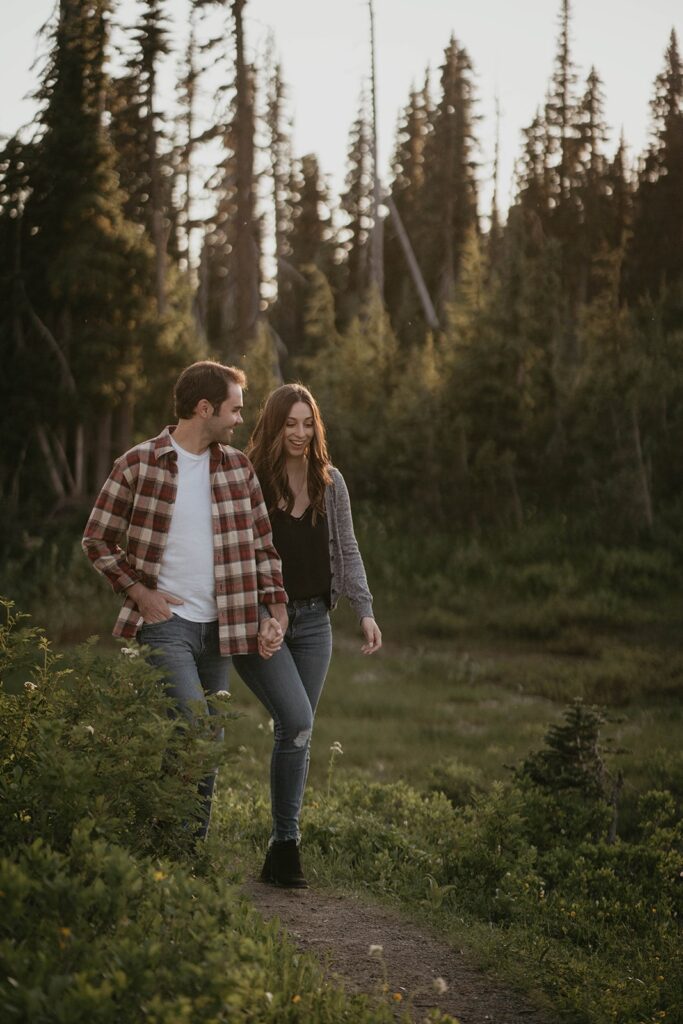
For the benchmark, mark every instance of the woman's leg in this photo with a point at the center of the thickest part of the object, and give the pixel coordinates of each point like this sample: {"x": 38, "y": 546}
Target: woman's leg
{"x": 310, "y": 642}
{"x": 277, "y": 684}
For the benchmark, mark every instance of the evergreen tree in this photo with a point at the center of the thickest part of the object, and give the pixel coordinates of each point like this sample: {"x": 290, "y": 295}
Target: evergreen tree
{"x": 356, "y": 204}
{"x": 655, "y": 258}
{"x": 450, "y": 189}
{"x": 229, "y": 299}
{"x": 407, "y": 193}
{"x": 85, "y": 273}
{"x": 560, "y": 115}
{"x": 595, "y": 230}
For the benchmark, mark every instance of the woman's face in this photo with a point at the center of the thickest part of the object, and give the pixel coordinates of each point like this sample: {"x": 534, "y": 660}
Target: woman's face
{"x": 298, "y": 429}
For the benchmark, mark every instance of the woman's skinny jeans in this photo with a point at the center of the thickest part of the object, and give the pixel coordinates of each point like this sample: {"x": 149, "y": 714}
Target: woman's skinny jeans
{"x": 289, "y": 686}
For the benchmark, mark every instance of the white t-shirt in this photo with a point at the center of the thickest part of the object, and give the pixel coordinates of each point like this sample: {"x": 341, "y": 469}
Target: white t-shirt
{"x": 186, "y": 569}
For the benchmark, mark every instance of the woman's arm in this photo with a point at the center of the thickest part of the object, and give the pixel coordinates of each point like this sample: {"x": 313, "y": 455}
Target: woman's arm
{"x": 355, "y": 581}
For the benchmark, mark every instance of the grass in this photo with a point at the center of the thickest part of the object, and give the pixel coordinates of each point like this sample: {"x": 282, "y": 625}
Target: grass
{"x": 409, "y": 710}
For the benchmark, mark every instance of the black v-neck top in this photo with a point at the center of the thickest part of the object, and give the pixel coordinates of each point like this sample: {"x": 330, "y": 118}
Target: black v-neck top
{"x": 304, "y": 548}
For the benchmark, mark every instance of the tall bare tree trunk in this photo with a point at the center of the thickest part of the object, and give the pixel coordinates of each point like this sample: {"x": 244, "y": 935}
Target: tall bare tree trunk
{"x": 377, "y": 239}
{"x": 79, "y": 460}
{"x": 103, "y": 448}
{"x": 641, "y": 471}
{"x": 247, "y": 255}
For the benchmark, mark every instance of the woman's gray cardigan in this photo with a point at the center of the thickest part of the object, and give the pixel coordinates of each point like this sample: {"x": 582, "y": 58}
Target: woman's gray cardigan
{"x": 348, "y": 572}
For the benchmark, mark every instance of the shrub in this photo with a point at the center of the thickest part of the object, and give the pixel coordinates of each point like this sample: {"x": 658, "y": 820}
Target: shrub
{"x": 459, "y": 782}
{"x": 95, "y": 739}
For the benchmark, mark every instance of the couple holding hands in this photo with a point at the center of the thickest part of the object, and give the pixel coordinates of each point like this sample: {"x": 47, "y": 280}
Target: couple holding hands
{"x": 229, "y": 557}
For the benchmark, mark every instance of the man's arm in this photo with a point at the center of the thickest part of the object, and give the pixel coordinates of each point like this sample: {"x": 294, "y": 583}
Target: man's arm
{"x": 271, "y": 589}
{"x": 107, "y": 527}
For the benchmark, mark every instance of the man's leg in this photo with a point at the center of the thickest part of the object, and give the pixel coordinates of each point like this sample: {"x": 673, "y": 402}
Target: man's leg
{"x": 214, "y": 674}
{"x": 177, "y": 650}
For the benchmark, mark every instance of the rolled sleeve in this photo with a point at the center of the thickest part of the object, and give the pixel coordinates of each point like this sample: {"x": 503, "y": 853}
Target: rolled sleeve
{"x": 107, "y": 527}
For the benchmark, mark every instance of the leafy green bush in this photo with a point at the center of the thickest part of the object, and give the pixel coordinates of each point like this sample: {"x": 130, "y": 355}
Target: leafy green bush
{"x": 95, "y": 740}
{"x": 459, "y": 782}
{"x": 95, "y": 935}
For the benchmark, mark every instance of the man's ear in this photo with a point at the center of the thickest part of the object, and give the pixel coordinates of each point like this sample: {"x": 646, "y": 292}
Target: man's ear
{"x": 203, "y": 408}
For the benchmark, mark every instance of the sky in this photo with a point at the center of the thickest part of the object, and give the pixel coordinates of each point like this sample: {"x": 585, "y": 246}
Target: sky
{"x": 323, "y": 46}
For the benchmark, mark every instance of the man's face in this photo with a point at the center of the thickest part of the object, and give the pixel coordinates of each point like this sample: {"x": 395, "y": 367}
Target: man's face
{"x": 226, "y": 418}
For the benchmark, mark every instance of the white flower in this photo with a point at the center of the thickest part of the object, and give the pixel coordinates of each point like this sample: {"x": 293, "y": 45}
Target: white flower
{"x": 130, "y": 652}
{"x": 440, "y": 986}
{"x": 336, "y": 748}
{"x": 269, "y": 997}
{"x": 30, "y": 687}
{"x": 224, "y": 694}
{"x": 89, "y": 729}
{"x": 375, "y": 950}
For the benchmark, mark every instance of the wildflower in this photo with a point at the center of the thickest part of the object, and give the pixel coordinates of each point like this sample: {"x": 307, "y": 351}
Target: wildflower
{"x": 336, "y": 748}
{"x": 375, "y": 950}
{"x": 440, "y": 986}
{"x": 397, "y": 997}
{"x": 268, "y": 996}
{"x": 130, "y": 652}
{"x": 224, "y": 694}
{"x": 159, "y": 876}
{"x": 30, "y": 687}
{"x": 89, "y": 729}
{"x": 296, "y": 999}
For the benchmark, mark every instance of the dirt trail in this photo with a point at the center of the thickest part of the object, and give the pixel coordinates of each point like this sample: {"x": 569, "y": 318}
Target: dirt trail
{"x": 339, "y": 930}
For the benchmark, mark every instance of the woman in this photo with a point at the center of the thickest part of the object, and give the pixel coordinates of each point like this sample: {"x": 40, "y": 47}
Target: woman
{"x": 313, "y": 533}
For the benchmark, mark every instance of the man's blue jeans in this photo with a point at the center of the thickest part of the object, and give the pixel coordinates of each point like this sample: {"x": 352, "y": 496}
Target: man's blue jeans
{"x": 189, "y": 655}
{"x": 289, "y": 686}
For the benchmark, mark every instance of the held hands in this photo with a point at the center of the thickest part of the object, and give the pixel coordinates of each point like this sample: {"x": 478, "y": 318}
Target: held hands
{"x": 153, "y": 605}
{"x": 270, "y": 637}
{"x": 372, "y": 634}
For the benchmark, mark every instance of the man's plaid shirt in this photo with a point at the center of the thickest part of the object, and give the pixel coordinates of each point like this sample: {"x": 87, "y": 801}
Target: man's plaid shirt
{"x": 127, "y": 530}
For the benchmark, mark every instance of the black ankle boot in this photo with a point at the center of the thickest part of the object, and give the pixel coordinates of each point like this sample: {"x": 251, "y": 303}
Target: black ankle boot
{"x": 266, "y": 870}
{"x": 285, "y": 865}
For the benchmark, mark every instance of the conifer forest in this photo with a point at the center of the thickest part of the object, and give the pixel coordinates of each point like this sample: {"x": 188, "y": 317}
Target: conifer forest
{"x": 493, "y": 365}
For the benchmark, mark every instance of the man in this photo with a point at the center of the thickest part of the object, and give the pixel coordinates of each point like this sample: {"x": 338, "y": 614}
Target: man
{"x": 181, "y": 529}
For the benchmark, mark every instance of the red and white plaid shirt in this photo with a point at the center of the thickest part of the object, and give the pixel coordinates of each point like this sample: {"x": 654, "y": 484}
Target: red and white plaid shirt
{"x": 134, "y": 509}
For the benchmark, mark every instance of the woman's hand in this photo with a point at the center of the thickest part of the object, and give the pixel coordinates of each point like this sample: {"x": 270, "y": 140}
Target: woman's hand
{"x": 372, "y": 634}
{"x": 270, "y": 637}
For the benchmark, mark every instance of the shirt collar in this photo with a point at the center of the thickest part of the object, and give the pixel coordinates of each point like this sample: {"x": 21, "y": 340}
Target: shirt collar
{"x": 162, "y": 447}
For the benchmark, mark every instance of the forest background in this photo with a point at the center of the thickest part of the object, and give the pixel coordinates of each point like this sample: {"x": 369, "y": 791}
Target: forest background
{"x": 503, "y": 393}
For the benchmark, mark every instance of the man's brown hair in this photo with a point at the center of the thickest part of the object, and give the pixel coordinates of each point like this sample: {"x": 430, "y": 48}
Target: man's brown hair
{"x": 208, "y": 380}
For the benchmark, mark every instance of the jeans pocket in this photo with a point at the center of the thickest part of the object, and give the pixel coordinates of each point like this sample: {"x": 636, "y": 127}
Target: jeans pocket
{"x": 155, "y": 628}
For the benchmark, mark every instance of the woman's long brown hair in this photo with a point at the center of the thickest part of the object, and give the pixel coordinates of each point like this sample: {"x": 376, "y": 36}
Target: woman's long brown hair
{"x": 266, "y": 450}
